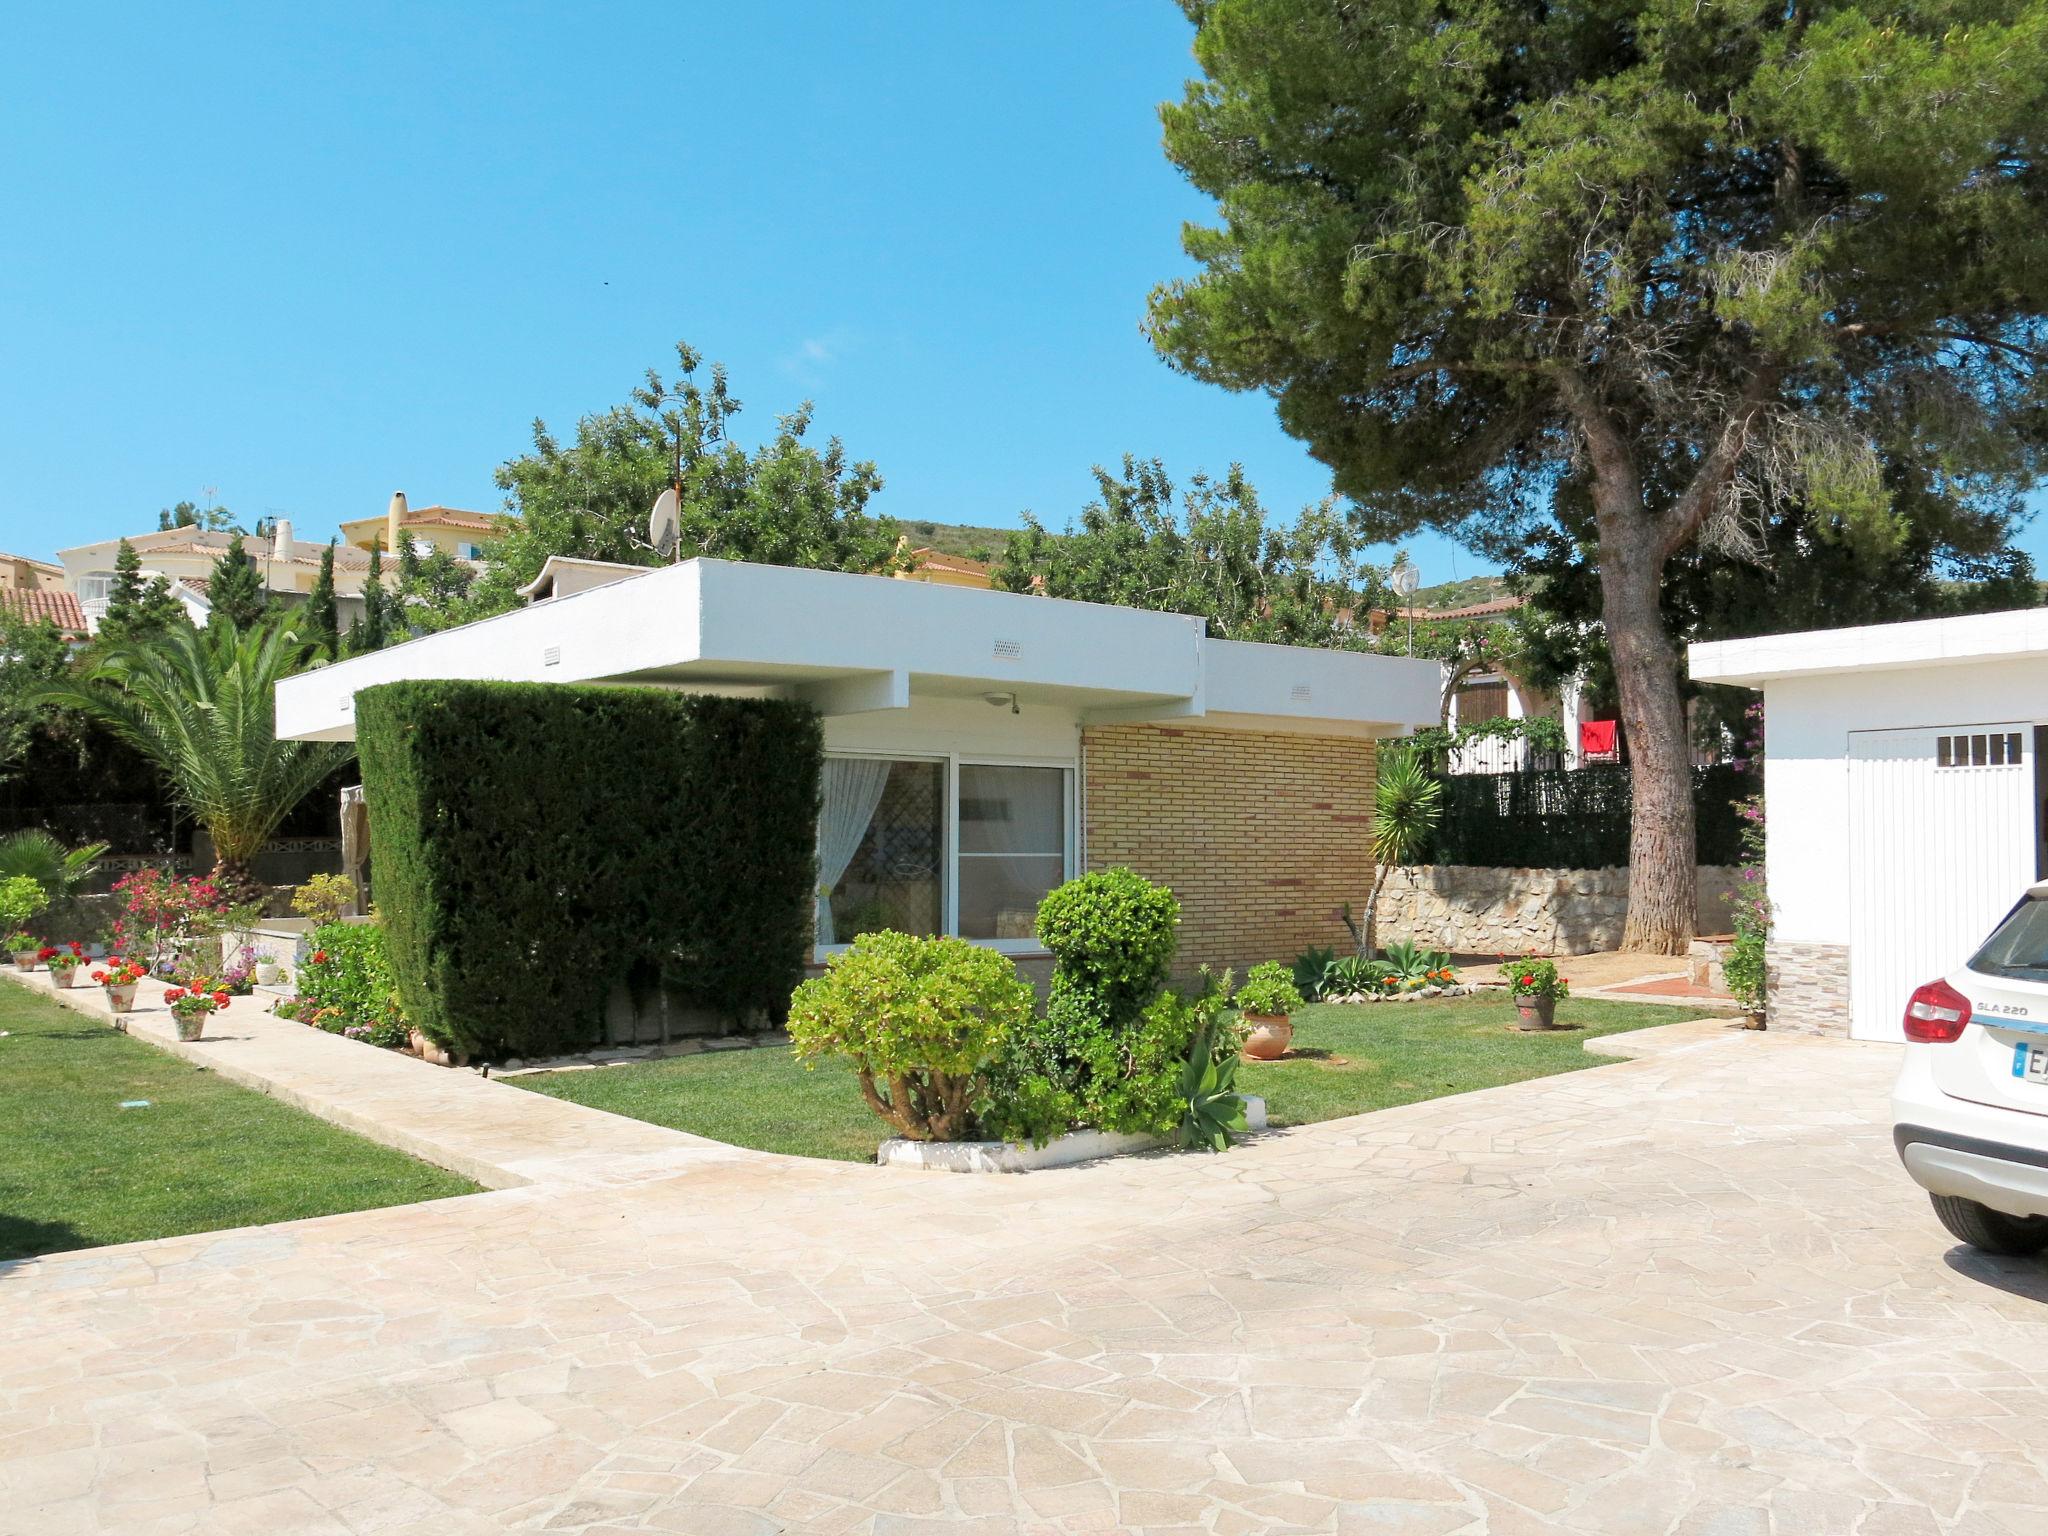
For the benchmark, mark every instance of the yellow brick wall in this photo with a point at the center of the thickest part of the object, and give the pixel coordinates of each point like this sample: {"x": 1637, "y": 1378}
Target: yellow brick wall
{"x": 1262, "y": 837}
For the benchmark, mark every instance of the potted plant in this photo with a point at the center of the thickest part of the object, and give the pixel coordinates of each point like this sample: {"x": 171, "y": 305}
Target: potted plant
{"x": 117, "y": 978}
{"x": 192, "y": 1005}
{"x": 20, "y": 900}
{"x": 1536, "y": 987}
{"x": 266, "y": 967}
{"x": 1267, "y": 999}
{"x": 63, "y": 961}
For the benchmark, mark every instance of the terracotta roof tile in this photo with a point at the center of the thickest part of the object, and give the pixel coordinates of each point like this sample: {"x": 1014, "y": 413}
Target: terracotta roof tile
{"x": 1468, "y": 611}
{"x": 59, "y": 607}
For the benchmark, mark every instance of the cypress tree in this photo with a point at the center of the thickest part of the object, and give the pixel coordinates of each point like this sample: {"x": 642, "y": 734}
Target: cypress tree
{"x": 323, "y": 627}
{"x": 368, "y": 633}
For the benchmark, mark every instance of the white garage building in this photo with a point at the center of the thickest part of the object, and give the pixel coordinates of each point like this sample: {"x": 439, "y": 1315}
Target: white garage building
{"x": 1904, "y": 800}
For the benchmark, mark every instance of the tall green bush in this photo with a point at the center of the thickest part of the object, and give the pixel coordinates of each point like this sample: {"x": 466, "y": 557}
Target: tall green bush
{"x": 532, "y": 842}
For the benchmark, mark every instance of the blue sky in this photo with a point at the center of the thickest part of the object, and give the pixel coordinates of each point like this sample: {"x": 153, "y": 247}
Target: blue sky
{"x": 309, "y": 255}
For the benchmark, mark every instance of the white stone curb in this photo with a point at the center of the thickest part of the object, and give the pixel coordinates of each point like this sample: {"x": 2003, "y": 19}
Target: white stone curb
{"x": 1022, "y": 1157}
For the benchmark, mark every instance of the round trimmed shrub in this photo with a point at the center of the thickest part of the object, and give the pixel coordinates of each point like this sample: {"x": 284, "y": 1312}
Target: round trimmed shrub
{"x": 1111, "y": 933}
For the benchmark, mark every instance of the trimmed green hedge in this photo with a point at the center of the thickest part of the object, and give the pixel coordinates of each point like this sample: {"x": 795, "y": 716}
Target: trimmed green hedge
{"x": 1573, "y": 819}
{"x": 532, "y": 842}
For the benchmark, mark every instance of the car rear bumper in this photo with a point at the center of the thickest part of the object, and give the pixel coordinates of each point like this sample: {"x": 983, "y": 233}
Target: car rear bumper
{"x": 1994, "y": 1173}
{"x": 1995, "y": 1156}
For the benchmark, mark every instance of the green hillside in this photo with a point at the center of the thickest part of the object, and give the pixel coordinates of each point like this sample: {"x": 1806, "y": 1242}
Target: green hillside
{"x": 975, "y": 543}
{"x": 1457, "y": 594}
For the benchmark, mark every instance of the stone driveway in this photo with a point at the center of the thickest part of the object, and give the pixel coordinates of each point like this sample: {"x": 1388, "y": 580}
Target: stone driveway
{"x": 1690, "y": 1293}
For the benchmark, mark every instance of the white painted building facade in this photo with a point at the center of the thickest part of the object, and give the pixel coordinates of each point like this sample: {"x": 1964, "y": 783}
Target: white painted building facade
{"x": 958, "y": 725}
{"x": 1904, "y": 800}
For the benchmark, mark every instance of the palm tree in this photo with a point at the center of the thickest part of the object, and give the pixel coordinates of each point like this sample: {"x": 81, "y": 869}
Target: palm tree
{"x": 1408, "y": 802}
{"x": 201, "y": 705}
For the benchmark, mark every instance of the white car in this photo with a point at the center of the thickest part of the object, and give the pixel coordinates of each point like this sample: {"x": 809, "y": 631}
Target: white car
{"x": 1970, "y": 1108}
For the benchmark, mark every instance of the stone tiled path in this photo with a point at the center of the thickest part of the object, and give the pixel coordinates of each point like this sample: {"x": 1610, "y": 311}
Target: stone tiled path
{"x": 1687, "y": 1293}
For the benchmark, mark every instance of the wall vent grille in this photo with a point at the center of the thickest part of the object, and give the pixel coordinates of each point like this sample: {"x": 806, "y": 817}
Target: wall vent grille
{"x": 551, "y": 657}
{"x": 1009, "y": 650}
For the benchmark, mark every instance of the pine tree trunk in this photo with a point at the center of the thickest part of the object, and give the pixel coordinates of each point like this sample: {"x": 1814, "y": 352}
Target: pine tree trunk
{"x": 1662, "y": 902}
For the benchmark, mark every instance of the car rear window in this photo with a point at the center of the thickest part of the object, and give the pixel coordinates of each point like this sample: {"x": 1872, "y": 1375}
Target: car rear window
{"x": 2018, "y": 947}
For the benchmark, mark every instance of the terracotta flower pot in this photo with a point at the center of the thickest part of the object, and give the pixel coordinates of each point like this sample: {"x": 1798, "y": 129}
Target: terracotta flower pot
{"x": 426, "y": 1050}
{"x": 1753, "y": 1019}
{"x": 1269, "y": 1037}
{"x": 63, "y": 976}
{"x": 1535, "y": 1013}
{"x": 121, "y": 999}
{"x": 191, "y": 1026}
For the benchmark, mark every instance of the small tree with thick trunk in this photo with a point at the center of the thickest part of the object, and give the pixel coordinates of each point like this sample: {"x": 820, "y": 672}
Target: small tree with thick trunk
{"x": 1676, "y": 264}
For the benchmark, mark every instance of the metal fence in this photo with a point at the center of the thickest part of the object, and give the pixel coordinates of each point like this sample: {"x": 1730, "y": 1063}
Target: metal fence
{"x": 1576, "y": 819}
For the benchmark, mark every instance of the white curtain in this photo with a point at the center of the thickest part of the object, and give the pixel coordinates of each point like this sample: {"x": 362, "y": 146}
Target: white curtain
{"x": 852, "y": 789}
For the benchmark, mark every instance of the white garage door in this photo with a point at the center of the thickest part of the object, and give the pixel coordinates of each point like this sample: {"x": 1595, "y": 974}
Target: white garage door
{"x": 1941, "y": 842}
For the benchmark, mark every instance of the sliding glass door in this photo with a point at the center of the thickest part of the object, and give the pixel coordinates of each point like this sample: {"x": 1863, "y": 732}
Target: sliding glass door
{"x": 936, "y": 845}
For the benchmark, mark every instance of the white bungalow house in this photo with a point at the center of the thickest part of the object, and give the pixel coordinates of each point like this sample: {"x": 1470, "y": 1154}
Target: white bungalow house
{"x": 1904, "y": 798}
{"x": 984, "y": 746}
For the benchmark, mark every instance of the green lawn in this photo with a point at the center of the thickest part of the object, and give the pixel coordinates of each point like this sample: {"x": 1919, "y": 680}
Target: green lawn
{"x": 1346, "y": 1060}
{"x": 77, "y": 1170}
{"x": 759, "y": 1098}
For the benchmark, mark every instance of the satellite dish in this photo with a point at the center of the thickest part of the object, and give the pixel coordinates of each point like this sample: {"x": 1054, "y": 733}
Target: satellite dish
{"x": 662, "y": 526}
{"x": 1404, "y": 579}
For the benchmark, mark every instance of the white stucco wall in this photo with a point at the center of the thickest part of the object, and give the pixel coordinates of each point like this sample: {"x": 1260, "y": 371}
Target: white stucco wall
{"x": 1806, "y": 770}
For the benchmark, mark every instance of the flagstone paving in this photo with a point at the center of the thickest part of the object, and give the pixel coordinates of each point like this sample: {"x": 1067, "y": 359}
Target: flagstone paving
{"x": 1686, "y": 1293}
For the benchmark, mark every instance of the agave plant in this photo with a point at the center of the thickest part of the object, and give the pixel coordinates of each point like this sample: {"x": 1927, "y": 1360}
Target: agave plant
{"x": 1211, "y": 1107}
{"x": 201, "y": 705}
{"x": 1412, "y": 963}
{"x": 1349, "y": 975}
{"x": 41, "y": 856}
{"x": 1312, "y": 970}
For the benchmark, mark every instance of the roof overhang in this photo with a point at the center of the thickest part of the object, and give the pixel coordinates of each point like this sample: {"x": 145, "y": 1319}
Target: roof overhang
{"x": 855, "y": 644}
{"x": 1984, "y": 637}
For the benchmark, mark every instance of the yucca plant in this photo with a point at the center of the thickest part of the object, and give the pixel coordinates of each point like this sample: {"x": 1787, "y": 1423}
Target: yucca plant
{"x": 1408, "y": 802}
{"x": 201, "y": 705}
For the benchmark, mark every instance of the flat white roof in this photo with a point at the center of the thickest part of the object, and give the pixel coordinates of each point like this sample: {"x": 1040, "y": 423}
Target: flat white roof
{"x": 852, "y": 644}
{"x": 1952, "y": 642}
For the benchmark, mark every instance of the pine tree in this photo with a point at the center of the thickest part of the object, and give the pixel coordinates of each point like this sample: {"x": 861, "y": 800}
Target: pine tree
{"x": 323, "y": 628}
{"x": 236, "y": 590}
{"x": 126, "y": 595}
{"x": 135, "y": 607}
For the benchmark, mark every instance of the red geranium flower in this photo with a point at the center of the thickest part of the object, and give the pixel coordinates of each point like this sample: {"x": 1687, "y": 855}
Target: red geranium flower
{"x": 220, "y": 999}
{"x": 1528, "y": 981}
{"x": 319, "y": 957}
{"x": 172, "y": 994}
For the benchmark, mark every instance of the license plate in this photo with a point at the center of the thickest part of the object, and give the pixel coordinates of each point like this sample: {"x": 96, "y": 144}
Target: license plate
{"x": 2030, "y": 1062}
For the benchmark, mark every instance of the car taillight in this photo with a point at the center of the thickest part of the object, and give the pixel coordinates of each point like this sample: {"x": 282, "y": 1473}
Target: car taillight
{"x": 1936, "y": 1015}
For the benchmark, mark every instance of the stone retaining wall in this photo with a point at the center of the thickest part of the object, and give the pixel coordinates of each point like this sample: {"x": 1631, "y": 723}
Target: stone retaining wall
{"x": 1469, "y": 909}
